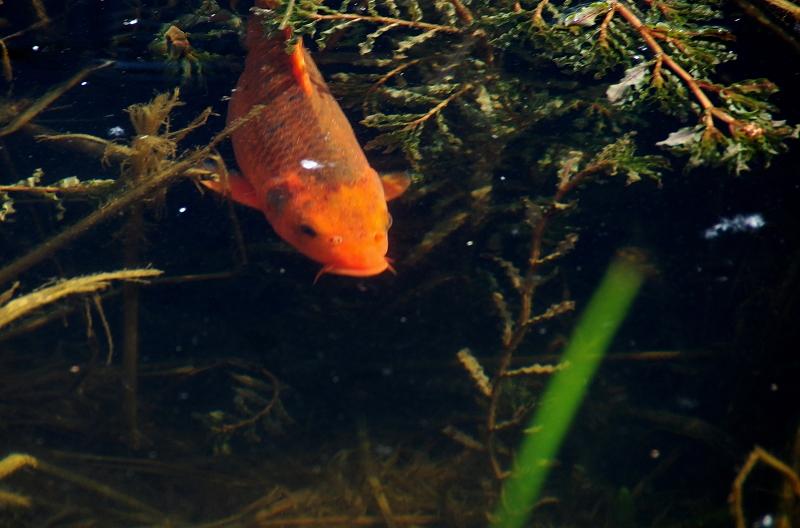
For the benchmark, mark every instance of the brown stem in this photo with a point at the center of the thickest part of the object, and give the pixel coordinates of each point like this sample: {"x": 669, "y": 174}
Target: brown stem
{"x": 5, "y": 59}
{"x": 384, "y": 79}
{"x": 47, "y": 99}
{"x": 229, "y": 428}
{"x": 98, "y": 305}
{"x": 658, "y": 78}
{"x": 603, "y": 38}
{"x": 759, "y": 16}
{"x": 759, "y": 455}
{"x": 537, "y": 12}
{"x": 75, "y": 189}
{"x": 87, "y": 284}
{"x": 462, "y": 11}
{"x": 709, "y": 110}
{"x": 346, "y": 520}
{"x": 35, "y": 25}
{"x": 786, "y": 6}
{"x": 130, "y": 320}
{"x": 647, "y": 36}
{"x": 389, "y": 21}
{"x": 439, "y": 107}
{"x": 522, "y": 323}
{"x": 665, "y": 9}
{"x": 101, "y": 489}
{"x": 41, "y": 11}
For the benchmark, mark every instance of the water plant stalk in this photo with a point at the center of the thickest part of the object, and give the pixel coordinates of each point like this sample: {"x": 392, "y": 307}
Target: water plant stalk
{"x": 593, "y": 334}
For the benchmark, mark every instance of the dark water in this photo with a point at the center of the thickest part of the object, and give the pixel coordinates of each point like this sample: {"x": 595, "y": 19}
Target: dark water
{"x": 366, "y": 366}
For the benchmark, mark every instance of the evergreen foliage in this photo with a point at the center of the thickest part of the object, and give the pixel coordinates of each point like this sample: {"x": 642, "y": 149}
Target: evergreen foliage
{"x": 442, "y": 76}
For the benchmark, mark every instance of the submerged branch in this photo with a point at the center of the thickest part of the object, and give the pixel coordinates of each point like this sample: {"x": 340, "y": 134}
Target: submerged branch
{"x": 439, "y": 107}
{"x": 389, "y": 21}
{"x": 710, "y": 111}
{"x": 346, "y": 520}
{"x": 759, "y": 455}
{"x": 463, "y": 12}
{"x": 16, "y": 308}
{"x": 17, "y": 461}
{"x": 527, "y": 286}
{"x": 759, "y": 16}
{"x": 127, "y": 197}
{"x": 47, "y": 99}
{"x": 787, "y": 7}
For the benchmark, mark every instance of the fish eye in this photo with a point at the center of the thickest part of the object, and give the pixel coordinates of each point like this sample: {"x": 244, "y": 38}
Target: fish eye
{"x": 308, "y": 230}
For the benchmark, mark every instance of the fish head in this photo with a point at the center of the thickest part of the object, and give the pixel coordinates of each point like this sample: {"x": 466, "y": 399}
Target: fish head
{"x": 341, "y": 224}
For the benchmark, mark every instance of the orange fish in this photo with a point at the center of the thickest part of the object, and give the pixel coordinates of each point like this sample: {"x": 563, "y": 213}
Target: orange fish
{"x": 302, "y": 165}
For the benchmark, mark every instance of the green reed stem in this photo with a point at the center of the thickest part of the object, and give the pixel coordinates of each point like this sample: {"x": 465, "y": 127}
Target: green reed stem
{"x": 606, "y": 310}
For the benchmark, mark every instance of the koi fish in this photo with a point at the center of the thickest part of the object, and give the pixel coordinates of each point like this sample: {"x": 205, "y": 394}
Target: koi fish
{"x": 301, "y": 163}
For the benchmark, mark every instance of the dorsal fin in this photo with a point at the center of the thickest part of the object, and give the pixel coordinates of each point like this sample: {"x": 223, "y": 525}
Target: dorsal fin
{"x": 298, "y": 62}
{"x": 394, "y": 184}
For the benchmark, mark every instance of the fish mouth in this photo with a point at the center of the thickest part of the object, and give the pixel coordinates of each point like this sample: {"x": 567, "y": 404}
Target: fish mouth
{"x": 366, "y": 271}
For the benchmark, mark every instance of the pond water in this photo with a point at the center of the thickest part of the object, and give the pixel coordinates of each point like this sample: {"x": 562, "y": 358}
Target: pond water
{"x": 239, "y": 388}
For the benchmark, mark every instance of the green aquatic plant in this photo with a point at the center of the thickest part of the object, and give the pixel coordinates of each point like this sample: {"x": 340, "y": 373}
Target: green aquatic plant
{"x": 519, "y": 302}
{"x": 441, "y": 77}
{"x": 592, "y": 335}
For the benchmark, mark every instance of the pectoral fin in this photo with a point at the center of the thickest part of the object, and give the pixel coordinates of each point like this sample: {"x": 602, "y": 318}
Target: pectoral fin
{"x": 235, "y": 187}
{"x": 394, "y": 184}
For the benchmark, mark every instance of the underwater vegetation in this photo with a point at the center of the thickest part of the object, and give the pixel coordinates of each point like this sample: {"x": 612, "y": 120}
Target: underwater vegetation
{"x": 590, "y": 340}
{"x": 206, "y": 381}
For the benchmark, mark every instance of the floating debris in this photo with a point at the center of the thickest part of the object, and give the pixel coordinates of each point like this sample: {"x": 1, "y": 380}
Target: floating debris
{"x": 741, "y": 223}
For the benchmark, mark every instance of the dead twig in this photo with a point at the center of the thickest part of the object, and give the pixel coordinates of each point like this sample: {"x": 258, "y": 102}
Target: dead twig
{"x": 762, "y": 18}
{"x": 134, "y": 229}
{"x": 346, "y": 520}
{"x": 17, "y": 461}
{"x": 47, "y": 99}
{"x": 121, "y": 201}
{"x": 786, "y": 6}
{"x": 373, "y": 479}
{"x": 21, "y": 306}
{"x": 389, "y": 21}
{"x": 759, "y": 455}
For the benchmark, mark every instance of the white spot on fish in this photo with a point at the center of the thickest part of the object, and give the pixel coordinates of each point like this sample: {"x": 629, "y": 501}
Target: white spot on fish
{"x": 310, "y": 164}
